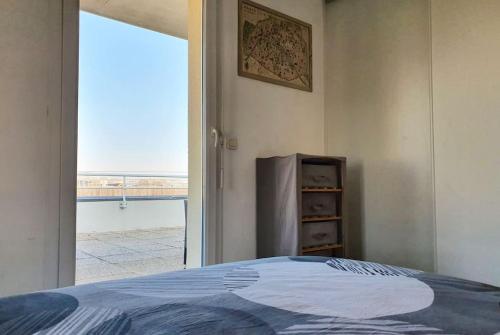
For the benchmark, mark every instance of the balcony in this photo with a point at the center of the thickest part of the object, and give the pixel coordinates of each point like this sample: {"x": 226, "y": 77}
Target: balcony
{"x": 129, "y": 225}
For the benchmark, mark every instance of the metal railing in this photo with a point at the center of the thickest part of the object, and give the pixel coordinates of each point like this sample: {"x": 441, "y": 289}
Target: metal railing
{"x": 123, "y": 187}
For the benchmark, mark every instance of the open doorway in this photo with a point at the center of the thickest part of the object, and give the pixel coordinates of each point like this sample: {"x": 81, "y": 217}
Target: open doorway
{"x": 132, "y": 186}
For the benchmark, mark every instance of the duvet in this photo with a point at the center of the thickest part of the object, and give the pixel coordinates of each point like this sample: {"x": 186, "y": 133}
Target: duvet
{"x": 283, "y": 295}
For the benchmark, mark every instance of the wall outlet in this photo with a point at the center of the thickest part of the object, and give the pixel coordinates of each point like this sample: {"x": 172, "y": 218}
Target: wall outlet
{"x": 232, "y": 143}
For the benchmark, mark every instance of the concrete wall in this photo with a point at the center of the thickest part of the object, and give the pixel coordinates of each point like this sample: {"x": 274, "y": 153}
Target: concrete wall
{"x": 167, "y": 17}
{"x": 378, "y": 115}
{"x": 267, "y": 120}
{"x": 466, "y": 81}
{"x": 33, "y": 144}
{"x": 102, "y": 216}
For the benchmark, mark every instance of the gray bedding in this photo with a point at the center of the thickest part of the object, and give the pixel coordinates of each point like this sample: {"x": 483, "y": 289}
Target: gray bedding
{"x": 283, "y": 295}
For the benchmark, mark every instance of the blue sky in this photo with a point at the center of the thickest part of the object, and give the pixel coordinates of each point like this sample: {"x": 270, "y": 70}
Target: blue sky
{"x": 132, "y": 98}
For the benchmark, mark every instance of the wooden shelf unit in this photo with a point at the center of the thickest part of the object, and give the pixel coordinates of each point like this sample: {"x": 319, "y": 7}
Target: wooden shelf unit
{"x": 300, "y": 202}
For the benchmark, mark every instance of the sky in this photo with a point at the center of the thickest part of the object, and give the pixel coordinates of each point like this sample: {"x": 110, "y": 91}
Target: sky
{"x": 133, "y": 102}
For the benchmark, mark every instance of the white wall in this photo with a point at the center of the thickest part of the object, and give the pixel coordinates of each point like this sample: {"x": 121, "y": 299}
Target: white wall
{"x": 378, "y": 115}
{"x": 409, "y": 105}
{"x": 267, "y": 120}
{"x": 31, "y": 150}
{"x": 466, "y": 81}
{"x": 103, "y": 216}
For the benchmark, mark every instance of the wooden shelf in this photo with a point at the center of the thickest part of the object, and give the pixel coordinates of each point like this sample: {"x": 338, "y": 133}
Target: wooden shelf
{"x": 322, "y": 190}
{"x": 314, "y": 195}
{"x": 322, "y": 247}
{"x": 320, "y": 218}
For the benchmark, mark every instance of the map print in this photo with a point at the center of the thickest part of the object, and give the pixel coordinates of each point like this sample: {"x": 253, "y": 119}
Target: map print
{"x": 274, "y": 47}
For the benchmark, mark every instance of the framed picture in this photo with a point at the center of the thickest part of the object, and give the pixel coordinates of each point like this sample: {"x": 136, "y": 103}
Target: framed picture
{"x": 274, "y": 47}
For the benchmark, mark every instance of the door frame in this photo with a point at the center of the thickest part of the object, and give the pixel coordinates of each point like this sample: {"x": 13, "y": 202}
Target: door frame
{"x": 213, "y": 148}
{"x": 69, "y": 144}
{"x": 204, "y": 200}
{"x": 205, "y": 158}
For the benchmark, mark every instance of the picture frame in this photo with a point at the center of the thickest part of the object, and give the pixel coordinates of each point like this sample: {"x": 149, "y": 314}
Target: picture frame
{"x": 274, "y": 47}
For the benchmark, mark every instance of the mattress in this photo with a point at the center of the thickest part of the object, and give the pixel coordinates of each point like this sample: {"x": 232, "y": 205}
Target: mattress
{"x": 282, "y": 295}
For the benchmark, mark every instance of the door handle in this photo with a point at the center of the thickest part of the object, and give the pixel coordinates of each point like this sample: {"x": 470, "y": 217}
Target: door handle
{"x": 217, "y": 136}
{"x": 218, "y": 143}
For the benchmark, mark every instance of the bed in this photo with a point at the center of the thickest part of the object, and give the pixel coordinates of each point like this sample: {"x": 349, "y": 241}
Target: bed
{"x": 282, "y": 295}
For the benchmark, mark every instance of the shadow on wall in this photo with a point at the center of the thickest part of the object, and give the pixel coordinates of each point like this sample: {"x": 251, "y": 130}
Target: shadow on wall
{"x": 387, "y": 220}
{"x": 377, "y": 115}
{"x": 355, "y": 210}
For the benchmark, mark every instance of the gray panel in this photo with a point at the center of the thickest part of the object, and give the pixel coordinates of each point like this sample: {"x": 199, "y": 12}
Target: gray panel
{"x": 319, "y": 233}
{"x": 319, "y": 204}
{"x": 277, "y": 210}
{"x": 319, "y": 175}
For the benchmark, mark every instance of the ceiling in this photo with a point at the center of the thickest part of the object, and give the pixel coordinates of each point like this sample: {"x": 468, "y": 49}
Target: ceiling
{"x": 164, "y": 16}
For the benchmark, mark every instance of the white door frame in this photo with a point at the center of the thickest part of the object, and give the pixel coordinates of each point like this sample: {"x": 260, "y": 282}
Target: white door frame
{"x": 213, "y": 150}
{"x": 204, "y": 200}
{"x": 204, "y": 115}
{"x": 68, "y": 148}
{"x": 204, "y": 228}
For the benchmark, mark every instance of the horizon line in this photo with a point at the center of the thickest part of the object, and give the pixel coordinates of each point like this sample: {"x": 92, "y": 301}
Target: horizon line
{"x": 133, "y": 174}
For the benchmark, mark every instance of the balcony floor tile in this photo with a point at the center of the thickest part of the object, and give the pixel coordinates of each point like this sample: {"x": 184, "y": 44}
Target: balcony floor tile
{"x": 93, "y": 267}
{"x": 124, "y": 254}
{"x": 99, "y": 248}
{"x": 150, "y": 266}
